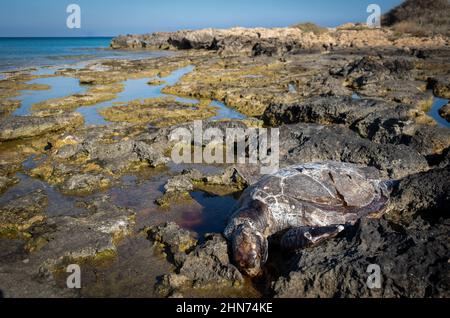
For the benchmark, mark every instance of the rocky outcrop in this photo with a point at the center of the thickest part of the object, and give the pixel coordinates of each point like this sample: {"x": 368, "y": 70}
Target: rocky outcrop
{"x": 261, "y": 41}
{"x": 425, "y": 194}
{"x": 445, "y": 112}
{"x": 312, "y": 143}
{"x": 375, "y": 120}
{"x": 413, "y": 262}
{"x": 21, "y": 213}
{"x": 17, "y": 127}
{"x": 369, "y": 70}
{"x": 430, "y": 17}
{"x": 202, "y": 266}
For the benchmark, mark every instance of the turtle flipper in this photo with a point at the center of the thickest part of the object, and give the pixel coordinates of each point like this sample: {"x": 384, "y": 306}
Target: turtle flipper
{"x": 302, "y": 237}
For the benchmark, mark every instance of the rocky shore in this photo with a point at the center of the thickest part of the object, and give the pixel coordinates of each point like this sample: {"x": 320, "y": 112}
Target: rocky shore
{"x": 273, "y": 42}
{"x": 109, "y": 197}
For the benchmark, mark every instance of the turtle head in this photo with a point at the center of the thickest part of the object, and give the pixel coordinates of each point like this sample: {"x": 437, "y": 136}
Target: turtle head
{"x": 249, "y": 249}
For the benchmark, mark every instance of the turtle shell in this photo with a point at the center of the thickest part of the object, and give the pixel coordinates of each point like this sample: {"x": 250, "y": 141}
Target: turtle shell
{"x": 318, "y": 194}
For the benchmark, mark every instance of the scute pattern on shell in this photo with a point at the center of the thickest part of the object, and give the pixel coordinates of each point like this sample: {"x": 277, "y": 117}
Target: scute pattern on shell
{"x": 313, "y": 194}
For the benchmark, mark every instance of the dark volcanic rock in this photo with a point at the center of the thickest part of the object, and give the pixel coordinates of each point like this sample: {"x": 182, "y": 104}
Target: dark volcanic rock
{"x": 323, "y": 110}
{"x": 413, "y": 263}
{"x": 440, "y": 86}
{"x": 369, "y": 70}
{"x": 171, "y": 236}
{"x": 445, "y": 112}
{"x": 427, "y": 193}
{"x": 372, "y": 119}
{"x": 309, "y": 143}
{"x": 205, "y": 266}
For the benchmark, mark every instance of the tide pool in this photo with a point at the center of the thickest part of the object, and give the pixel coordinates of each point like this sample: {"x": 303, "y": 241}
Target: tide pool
{"x": 133, "y": 89}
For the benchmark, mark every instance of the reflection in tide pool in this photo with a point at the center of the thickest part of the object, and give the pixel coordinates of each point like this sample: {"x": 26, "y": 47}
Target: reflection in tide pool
{"x": 213, "y": 214}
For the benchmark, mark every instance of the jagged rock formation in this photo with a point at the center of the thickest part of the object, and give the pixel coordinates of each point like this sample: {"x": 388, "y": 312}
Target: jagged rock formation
{"x": 277, "y": 41}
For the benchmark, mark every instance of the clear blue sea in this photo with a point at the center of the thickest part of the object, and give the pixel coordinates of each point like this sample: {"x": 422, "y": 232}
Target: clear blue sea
{"x": 18, "y": 53}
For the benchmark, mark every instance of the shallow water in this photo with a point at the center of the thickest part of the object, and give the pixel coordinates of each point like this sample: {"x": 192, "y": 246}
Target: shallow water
{"x": 213, "y": 215}
{"x": 60, "y": 86}
{"x": 139, "y": 89}
{"x": 58, "y": 203}
{"x": 434, "y": 111}
{"x": 225, "y": 112}
{"x": 206, "y": 213}
{"x": 134, "y": 89}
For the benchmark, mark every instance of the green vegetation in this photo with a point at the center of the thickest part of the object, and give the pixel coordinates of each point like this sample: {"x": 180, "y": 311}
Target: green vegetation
{"x": 420, "y": 17}
{"x": 310, "y": 27}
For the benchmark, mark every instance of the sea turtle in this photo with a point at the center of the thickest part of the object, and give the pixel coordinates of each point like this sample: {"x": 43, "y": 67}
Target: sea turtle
{"x": 312, "y": 202}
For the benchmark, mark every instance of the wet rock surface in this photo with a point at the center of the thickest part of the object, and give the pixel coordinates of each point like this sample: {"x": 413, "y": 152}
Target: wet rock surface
{"x": 57, "y": 242}
{"x": 445, "y": 112}
{"x": 311, "y": 142}
{"x": 20, "y": 214}
{"x": 31, "y": 126}
{"x": 76, "y": 194}
{"x": 413, "y": 263}
{"x": 199, "y": 266}
{"x": 177, "y": 188}
{"x": 5, "y": 182}
{"x": 375, "y": 120}
{"x": 423, "y": 194}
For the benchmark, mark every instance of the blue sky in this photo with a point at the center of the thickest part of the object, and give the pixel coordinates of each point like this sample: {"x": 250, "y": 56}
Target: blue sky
{"x": 113, "y": 17}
